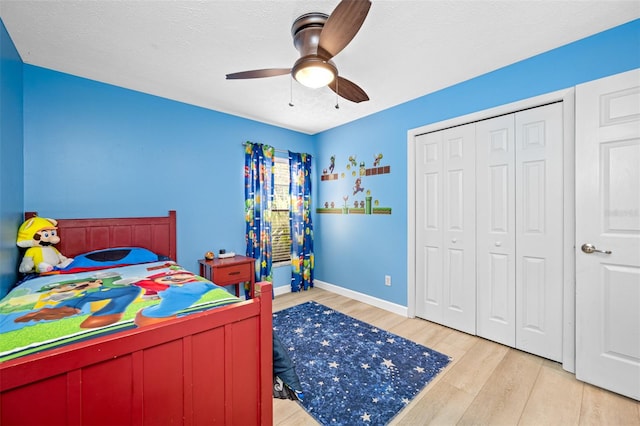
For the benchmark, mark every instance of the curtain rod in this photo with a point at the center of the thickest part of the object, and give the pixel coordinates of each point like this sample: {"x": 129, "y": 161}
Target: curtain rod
{"x": 284, "y": 151}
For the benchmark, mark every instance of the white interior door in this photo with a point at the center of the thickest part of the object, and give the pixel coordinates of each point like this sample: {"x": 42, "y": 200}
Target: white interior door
{"x": 495, "y": 229}
{"x": 429, "y": 231}
{"x": 539, "y": 230}
{"x": 459, "y": 239}
{"x": 445, "y": 217}
{"x": 608, "y": 218}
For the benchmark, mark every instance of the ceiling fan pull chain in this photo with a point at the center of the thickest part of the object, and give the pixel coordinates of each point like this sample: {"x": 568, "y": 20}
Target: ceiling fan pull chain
{"x": 337, "y": 96}
{"x": 291, "y": 92}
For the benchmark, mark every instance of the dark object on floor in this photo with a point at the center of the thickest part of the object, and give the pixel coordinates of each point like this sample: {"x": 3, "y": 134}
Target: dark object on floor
{"x": 286, "y": 384}
{"x": 282, "y": 391}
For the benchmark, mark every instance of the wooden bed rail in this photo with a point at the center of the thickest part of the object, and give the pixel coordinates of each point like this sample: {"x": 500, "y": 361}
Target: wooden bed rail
{"x": 213, "y": 367}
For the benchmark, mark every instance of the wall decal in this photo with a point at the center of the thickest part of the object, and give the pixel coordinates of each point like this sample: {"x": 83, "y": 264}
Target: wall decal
{"x": 327, "y": 174}
{"x": 352, "y": 190}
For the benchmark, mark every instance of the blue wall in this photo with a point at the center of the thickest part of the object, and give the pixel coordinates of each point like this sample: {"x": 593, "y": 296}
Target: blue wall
{"x": 96, "y": 150}
{"x": 11, "y": 160}
{"x": 356, "y": 252}
{"x": 148, "y": 155}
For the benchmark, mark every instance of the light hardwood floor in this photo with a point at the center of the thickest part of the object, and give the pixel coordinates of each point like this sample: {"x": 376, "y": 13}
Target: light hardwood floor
{"x": 485, "y": 384}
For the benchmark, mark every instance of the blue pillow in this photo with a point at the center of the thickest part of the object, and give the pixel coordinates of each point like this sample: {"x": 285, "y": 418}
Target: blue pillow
{"x": 113, "y": 257}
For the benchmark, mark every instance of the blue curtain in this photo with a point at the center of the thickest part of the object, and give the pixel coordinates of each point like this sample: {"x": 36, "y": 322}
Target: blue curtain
{"x": 258, "y": 196}
{"x": 302, "y": 262}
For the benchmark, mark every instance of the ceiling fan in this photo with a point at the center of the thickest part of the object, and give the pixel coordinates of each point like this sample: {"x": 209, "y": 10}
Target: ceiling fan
{"x": 319, "y": 37}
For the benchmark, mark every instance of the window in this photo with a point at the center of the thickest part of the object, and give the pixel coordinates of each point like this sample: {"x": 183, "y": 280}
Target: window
{"x": 280, "y": 228}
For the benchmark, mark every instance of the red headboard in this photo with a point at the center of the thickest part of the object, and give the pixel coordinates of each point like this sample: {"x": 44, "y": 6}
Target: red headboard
{"x": 78, "y": 236}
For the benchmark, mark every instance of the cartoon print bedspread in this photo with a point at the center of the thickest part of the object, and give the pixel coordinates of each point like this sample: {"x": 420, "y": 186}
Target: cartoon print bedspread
{"x": 49, "y": 311}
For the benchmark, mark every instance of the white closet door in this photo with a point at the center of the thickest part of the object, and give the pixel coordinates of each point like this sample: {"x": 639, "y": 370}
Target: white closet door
{"x": 429, "y": 232}
{"x": 459, "y": 240}
{"x": 539, "y": 230}
{"x": 445, "y": 275}
{"x": 495, "y": 201}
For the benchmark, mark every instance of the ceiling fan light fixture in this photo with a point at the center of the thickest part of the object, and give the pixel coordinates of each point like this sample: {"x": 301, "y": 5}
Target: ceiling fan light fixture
{"x": 319, "y": 37}
{"x": 314, "y": 76}
{"x": 314, "y": 72}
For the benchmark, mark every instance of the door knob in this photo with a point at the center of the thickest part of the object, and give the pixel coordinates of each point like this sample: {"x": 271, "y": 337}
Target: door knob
{"x": 590, "y": 248}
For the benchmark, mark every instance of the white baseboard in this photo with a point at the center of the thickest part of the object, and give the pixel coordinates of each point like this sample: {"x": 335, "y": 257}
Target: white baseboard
{"x": 373, "y": 301}
{"x": 283, "y": 289}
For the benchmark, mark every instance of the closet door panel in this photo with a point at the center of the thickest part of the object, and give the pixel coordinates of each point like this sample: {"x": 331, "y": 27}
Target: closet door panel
{"x": 500, "y": 305}
{"x": 445, "y": 200}
{"x": 429, "y": 227}
{"x": 459, "y": 228}
{"x": 495, "y": 229}
{"x": 539, "y": 232}
{"x": 432, "y": 273}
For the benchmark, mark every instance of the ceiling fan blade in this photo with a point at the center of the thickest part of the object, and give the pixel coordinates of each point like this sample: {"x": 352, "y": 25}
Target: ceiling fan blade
{"x": 348, "y": 90}
{"x": 268, "y": 72}
{"x": 342, "y": 26}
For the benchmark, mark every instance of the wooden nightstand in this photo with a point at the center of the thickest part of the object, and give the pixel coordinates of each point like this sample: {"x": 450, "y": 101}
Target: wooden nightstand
{"x": 231, "y": 270}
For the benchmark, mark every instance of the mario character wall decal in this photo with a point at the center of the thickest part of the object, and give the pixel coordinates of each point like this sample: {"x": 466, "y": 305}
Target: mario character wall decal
{"x": 368, "y": 179}
{"x": 39, "y": 235}
{"x": 358, "y": 186}
{"x": 332, "y": 164}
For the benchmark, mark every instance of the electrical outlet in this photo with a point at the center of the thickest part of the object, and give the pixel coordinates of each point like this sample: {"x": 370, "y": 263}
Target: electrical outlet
{"x": 387, "y": 280}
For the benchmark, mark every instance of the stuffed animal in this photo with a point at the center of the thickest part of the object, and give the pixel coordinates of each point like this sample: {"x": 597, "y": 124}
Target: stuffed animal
{"x": 39, "y": 235}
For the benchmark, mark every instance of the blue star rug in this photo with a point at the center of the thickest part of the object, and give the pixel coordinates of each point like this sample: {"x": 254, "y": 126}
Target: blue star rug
{"x": 352, "y": 372}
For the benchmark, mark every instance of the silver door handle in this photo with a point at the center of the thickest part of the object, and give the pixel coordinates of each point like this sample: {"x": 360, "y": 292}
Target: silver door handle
{"x": 590, "y": 248}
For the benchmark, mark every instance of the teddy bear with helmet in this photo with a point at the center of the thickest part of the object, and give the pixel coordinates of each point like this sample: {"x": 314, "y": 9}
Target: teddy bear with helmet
{"x": 39, "y": 235}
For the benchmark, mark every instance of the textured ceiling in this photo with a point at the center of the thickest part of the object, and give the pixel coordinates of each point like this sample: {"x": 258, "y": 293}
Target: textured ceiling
{"x": 182, "y": 50}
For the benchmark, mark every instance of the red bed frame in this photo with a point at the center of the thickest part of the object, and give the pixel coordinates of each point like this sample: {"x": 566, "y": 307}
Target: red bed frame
{"x": 213, "y": 367}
